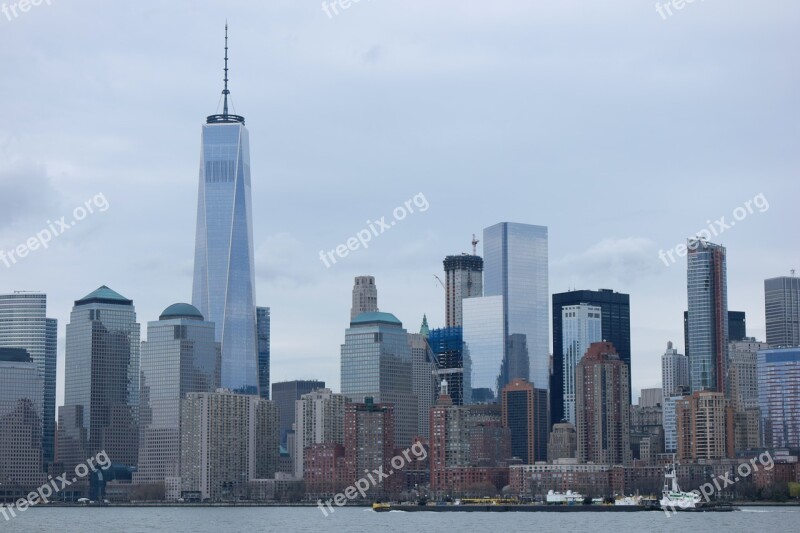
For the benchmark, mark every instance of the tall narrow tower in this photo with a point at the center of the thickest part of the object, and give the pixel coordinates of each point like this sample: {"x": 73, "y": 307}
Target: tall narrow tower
{"x": 224, "y": 280}
{"x": 365, "y": 296}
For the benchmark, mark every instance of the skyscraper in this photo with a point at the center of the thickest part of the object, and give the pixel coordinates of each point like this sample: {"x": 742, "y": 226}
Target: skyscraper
{"x": 581, "y": 325}
{"x": 525, "y": 414}
{"x": 224, "y": 280}
{"x": 24, "y": 324}
{"x": 424, "y": 380}
{"x": 782, "y": 310}
{"x": 463, "y": 279}
{"x": 674, "y": 371}
{"x": 484, "y": 350}
{"x": 615, "y": 309}
{"x": 743, "y": 392}
{"x": 319, "y": 420}
{"x": 285, "y": 394}
{"x": 447, "y": 345}
{"x": 376, "y": 362}
{"x": 707, "y": 322}
{"x": 101, "y": 383}
{"x": 704, "y": 423}
{"x": 779, "y": 396}
{"x": 263, "y": 330}
{"x": 516, "y": 268}
{"x": 737, "y": 327}
{"x": 602, "y": 406}
{"x": 365, "y": 296}
{"x": 180, "y": 356}
{"x": 369, "y": 435}
{"x": 20, "y": 423}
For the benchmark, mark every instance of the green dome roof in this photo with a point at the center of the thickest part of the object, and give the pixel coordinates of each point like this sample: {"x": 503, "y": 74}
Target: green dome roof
{"x": 181, "y": 311}
{"x": 104, "y": 295}
{"x": 375, "y": 316}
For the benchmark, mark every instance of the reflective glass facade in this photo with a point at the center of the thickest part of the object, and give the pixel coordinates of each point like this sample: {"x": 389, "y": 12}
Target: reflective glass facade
{"x": 581, "y": 326}
{"x": 262, "y": 330}
{"x": 23, "y": 324}
{"x": 707, "y": 322}
{"x": 779, "y": 396}
{"x": 516, "y": 268}
{"x": 224, "y": 280}
{"x": 782, "y": 310}
{"x": 484, "y": 347}
{"x": 102, "y": 375}
{"x": 448, "y": 345}
{"x": 376, "y": 362}
{"x": 180, "y": 356}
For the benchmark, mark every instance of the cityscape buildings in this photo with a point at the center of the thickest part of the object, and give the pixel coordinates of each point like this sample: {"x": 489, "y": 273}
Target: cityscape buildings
{"x": 782, "y": 310}
{"x": 674, "y": 371}
{"x": 319, "y": 420}
{"x": 581, "y": 325}
{"x": 365, "y": 296}
{"x": 262, "y": 331}
{"x": 525, "y": 415}
{"x": 615, "y": 309}
{"x": 779, "y": 396}
{"x": 463, "y": 279}
{"x": 704, "y": 423}
{"x": 285, "y": 394}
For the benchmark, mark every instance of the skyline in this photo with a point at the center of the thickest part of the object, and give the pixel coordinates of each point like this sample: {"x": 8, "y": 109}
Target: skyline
{"x": 306, "y": 137}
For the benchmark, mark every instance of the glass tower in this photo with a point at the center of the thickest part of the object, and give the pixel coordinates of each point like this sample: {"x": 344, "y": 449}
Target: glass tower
{"x": 707, "y": 319}
{"x": 581, "y": 326}
{"x": 102, "y": 377}
{"x": 180, "y": 356}
{"x": 376, "y": 363}
{"x": 224, "y": 279}
{"x": 516, "y": 268}
{"x": 484, "y": 349}
{"x": 782, "y": 310}
{"x": 23, "y": 324}
{"x": 263, "y": 328}
{"x": 778, "y": 373}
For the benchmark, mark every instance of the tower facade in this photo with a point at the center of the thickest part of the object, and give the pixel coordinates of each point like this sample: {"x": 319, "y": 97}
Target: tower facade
{"x": 463, "y": 279}
{"x": 782, "y": 310}
{"x": 581, "y": 325}
{"x": 674, "y": 371}
{"x": 365, "y": 296}
{"x": 101, "y": 382}
{"x": 707, "y": 321}
{"x": 224, "y": 279}
{"x": 263, "y": 331}
{"x": 24, "y": 324}
{"x": 516, "y": 269}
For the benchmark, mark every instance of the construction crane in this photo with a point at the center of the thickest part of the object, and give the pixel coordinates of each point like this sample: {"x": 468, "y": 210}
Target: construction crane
{"x": 475, "y": 242}
{"x": 440, "y": 281}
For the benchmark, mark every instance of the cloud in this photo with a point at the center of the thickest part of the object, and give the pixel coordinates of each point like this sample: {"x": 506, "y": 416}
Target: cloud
{"x": 621, "y": 261}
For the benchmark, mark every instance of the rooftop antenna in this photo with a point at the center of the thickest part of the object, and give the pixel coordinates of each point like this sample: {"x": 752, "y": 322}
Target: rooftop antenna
{"x": 225, "y": 91}
{"x": 475, "y": 242}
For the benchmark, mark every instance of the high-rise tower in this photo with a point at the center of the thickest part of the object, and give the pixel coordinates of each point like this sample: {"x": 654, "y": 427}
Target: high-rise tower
{"x": 365, "y": 296}
{"x": 224, "y": 280}
{"x": 463, "y": 279}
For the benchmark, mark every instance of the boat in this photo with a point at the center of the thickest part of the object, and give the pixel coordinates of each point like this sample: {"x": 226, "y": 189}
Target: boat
{"x": 672, "y": 497}
{"x": 379, "y": 507}
{"x": 628, "y": 500}
{"x": 567, "y": 498}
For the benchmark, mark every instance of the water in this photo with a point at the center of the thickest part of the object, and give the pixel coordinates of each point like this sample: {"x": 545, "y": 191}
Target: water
{"x": 359, "y": 519}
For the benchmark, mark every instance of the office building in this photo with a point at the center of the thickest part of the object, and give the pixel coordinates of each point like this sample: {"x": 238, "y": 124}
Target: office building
{"x": 674, "y": 371}
{"x": 224, "y": 272}
{"x": 669, "y": 418}
{"x": 376, "y": 363}
{"x": 262, "y": 332}
{"x": 285, "y": 394}
{"x": 101, "y": 382}
{"x": 782, "y": 311}
{"x": 448, "y": 348}
{"x": 227, "y": 440}
{"x": 563, "y": 443}
{"x": 704, "y": 422}
{"x": 516, "y": 271}
{"x": 463, "y": 279}
{"x": 707, "y": 321}
{"x": 737, "y": 327}
{"x": 369, "y": 444}
{"x": 602, "y": 406}
{"x": 365, "y": 296}
{"x": 525, "y": 415}
{"x": 581, "y": 325}
{"x": 779, "y": 396}
{"x": 20, "y": 422}
{"x": 484, "y": 349}
{"x": 319, "y": 420}
{"x": 24, "y": 324}
{"x": 616, "y": 329}
{"x": 425, "y": 380}
{"x": 651, "y": 397}
{"x": 179, "y": 356}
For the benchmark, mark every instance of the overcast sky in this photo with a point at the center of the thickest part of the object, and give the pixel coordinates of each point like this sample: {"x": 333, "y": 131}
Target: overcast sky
{"x": 621, "y": 131}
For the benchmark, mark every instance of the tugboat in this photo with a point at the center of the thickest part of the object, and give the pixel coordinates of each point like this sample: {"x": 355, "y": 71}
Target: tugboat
{"x": 672, "y": 497}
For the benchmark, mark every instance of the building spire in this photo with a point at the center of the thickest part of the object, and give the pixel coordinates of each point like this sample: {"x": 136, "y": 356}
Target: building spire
{"x": 225, "y": 91}
{"x": 225, "y": 116}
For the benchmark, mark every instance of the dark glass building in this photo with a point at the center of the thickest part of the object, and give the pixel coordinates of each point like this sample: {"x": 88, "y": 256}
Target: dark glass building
{"x": 737, "y": 327}
{"x": 262, "y": 331}
{"x": 616, "y": 328}
{"x": 285, "y": 394}
{"x": 525, "y": 415}
{"x": 447, "y": 344}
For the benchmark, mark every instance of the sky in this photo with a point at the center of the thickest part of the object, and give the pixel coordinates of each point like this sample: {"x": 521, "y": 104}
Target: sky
{"x": 622, "y": 130}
